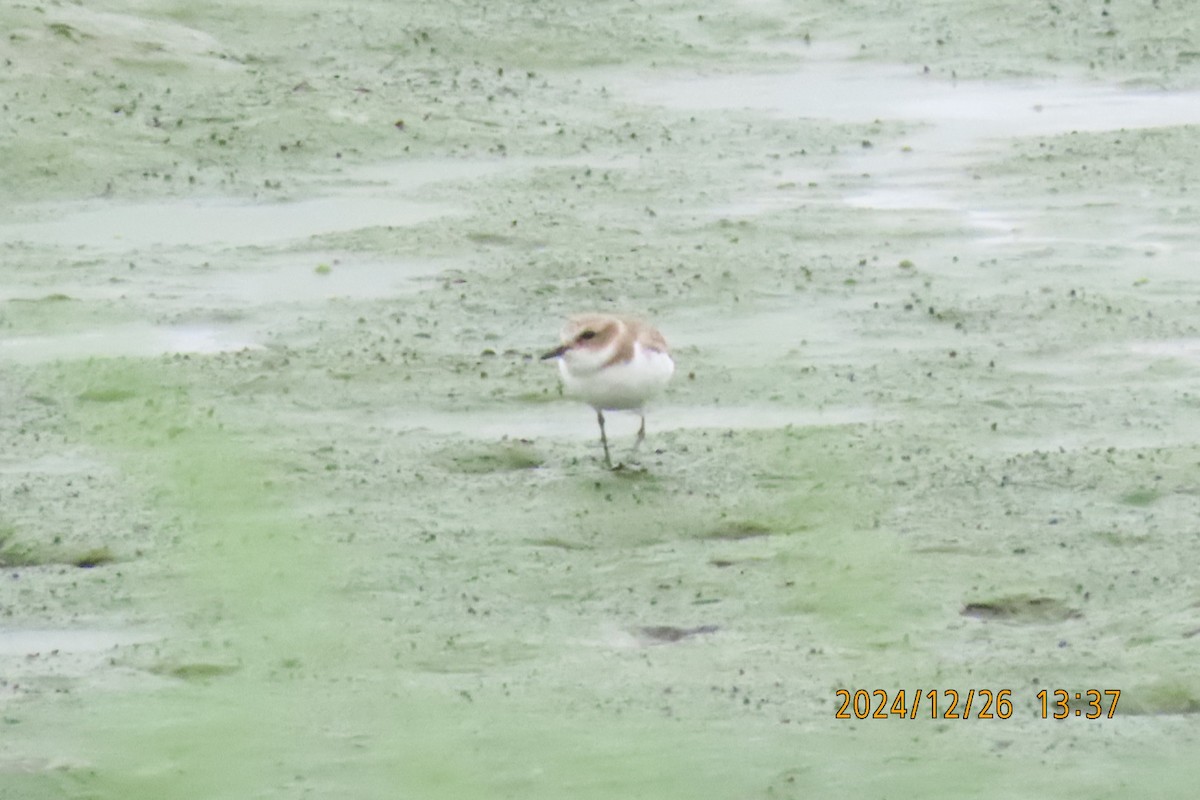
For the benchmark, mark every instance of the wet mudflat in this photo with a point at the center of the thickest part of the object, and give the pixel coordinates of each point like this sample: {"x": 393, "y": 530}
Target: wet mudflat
{"x": 288, "y": 507}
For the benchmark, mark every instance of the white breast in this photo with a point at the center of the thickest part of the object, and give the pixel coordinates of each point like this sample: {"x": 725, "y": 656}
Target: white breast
{"x": 624, "y": 385}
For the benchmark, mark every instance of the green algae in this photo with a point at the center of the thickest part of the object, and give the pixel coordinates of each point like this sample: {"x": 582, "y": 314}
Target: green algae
{"x": 354, "y": 602}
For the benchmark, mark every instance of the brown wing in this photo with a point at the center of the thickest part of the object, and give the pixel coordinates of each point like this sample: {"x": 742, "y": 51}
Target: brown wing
{"x": 648, "y": 335}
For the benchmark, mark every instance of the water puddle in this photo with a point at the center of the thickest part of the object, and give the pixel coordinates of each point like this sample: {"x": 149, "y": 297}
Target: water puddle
{"x": 227, "y": 309}
{"x": 57, "y": 464}
{"x": 569, "y": 420}
{"x": 135, "y": 339}
{"x": 141, "y": 37}
{"x": 822, "y": 333}
{"x": 188, "y": 257}
{"x": 361, "y": 197}
{"x": 953, "y": 121}
{"x": 303, "y": 278}
{"x": 1186, "y": 349}
{"x": 962, "y": 113}
{"x": 45, "y": 642}
{"x": 218, "y": 222}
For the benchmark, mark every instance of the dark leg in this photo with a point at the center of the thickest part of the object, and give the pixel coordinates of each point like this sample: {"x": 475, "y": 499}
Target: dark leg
{"x": 641, "y": 437}
{"x": 603, "y": 438}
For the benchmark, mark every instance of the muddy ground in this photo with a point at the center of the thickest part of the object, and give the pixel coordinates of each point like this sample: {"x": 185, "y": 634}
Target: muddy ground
{"x": 289, "y": 507}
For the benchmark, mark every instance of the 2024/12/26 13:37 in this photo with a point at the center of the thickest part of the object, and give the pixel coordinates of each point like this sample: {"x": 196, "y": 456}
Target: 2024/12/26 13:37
{"x": 986, "y": 703}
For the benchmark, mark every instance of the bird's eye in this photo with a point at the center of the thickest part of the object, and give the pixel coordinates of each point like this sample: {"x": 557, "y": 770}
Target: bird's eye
{"x": 587, "y": 335}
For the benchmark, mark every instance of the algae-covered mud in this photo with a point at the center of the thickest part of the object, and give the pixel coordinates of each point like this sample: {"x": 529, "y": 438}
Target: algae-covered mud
{"x": 289, "y": 507}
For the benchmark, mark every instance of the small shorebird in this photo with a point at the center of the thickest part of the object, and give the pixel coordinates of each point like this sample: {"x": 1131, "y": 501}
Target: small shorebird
{"x": 612, "y": 362}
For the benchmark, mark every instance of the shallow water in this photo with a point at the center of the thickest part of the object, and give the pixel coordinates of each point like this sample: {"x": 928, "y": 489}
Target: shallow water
{"x": 954, "y": 123}
{"x": 578, "y": 421}
{"x": 224, "y": 223}
{"x": 39, "y": 642}
{"x": 936, "y": 347}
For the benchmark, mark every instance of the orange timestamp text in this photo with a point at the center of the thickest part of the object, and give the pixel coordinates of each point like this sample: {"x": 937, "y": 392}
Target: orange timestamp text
{"x": 977, "y": 703}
